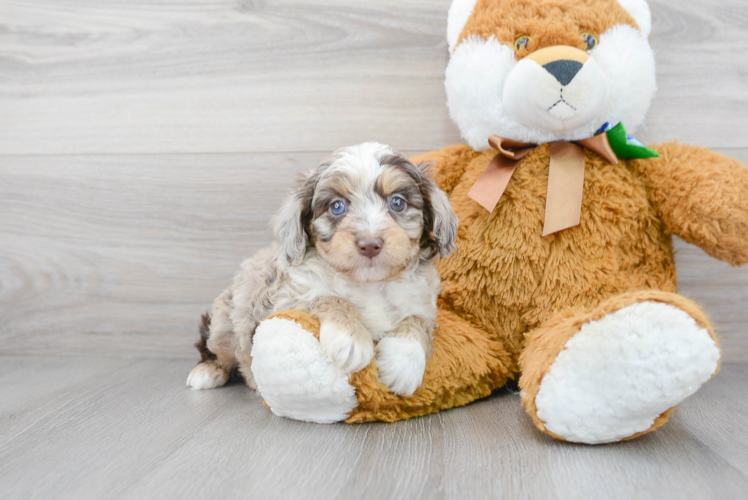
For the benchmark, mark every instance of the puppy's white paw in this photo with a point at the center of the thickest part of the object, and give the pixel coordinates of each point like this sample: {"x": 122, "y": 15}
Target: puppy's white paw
{"x": 401, "y": 364}
{"x": 206, "y": 376}
{"x": 351, "y": 353}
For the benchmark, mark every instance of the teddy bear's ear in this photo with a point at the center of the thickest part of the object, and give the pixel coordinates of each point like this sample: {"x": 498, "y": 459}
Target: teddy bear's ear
{"x": 459, "y": 13}
{"x": 639, "y": 10}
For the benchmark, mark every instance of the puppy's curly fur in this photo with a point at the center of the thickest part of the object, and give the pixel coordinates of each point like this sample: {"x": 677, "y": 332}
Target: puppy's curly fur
{"x": 356, "y": 246}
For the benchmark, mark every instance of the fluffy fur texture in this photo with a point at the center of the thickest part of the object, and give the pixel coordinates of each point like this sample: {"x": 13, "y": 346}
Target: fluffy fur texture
{"x": 544, "y": 345}
{"x": 513, "y": 302}
{"x": 459, "y": 13}
{"x": 639, "y": 10}
{"x": 494, "y": 88}
{"x": 297, "y": 379}
{"x": 618, "y": 374}
{"x": 210, "y": 374}
{"x": 461, "y": 10}
{"x": 356, "y": 248}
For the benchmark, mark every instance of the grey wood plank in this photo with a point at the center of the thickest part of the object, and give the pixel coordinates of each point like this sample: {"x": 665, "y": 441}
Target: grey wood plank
{"x": 35, "y": 391}
{"x": 119, "y": 255}
{"x": 225, "y": 76}
{"x": 722, "y": 430}
{"x": 184, "y": 76}
{"x": 700, "y": 81}
{"x": 133, "y": 431}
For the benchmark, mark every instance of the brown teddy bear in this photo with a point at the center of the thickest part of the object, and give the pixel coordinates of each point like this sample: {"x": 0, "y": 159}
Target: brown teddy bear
{"x": 564, "y": 276}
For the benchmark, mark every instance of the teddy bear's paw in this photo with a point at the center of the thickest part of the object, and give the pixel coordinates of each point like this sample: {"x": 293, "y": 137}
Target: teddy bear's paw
{"x": 351, "y": 351}
{"x": 619, "y": 374}
{"x": 295, "y": 378}
{"x": 401, "y": 363}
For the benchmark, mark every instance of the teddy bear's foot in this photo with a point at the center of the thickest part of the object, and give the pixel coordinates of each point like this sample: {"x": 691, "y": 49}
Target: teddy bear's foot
{"x": 618, "y": 373}
{"x": 293, "y": 374}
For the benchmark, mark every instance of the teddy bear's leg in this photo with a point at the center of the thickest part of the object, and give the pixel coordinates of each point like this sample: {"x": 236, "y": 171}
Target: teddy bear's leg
{"x": 297, "y": 380}
{"x": 617, "y": 371}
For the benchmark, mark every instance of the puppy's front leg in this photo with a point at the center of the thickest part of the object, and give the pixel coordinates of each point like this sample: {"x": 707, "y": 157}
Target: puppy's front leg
{"x": 341, "y": 334}
{"x": 402, "y": 355}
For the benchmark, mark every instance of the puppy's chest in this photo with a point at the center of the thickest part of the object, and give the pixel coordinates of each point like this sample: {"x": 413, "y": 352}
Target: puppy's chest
{"x": 383, "y": 306}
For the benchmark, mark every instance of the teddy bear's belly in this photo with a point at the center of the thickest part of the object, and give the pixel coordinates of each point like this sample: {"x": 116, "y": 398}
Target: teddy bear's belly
{"x": 508, "y": 279}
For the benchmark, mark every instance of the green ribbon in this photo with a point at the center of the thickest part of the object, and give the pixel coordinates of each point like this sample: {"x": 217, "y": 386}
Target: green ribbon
{"x": 626, "y": 147}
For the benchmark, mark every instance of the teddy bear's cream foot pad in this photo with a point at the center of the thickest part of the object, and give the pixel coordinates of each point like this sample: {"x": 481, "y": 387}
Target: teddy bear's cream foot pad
{"x": 294, "y": 376}
{"x": 619, "y": 374}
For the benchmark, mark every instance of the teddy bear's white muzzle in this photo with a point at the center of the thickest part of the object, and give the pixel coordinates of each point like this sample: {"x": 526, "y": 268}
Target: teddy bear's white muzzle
{"x": 559, "y": 96}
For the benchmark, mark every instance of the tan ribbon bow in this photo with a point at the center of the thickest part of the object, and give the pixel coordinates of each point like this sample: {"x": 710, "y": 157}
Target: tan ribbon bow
{"x": 563, "y": 206}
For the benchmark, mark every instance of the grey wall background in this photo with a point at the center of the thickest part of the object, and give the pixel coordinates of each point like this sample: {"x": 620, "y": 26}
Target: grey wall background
{"x": 144, "y": 145}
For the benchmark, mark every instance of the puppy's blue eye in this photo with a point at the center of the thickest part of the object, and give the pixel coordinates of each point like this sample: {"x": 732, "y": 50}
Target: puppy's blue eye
{"x": 337, "y": 208}
{"x": 397, "y": 204}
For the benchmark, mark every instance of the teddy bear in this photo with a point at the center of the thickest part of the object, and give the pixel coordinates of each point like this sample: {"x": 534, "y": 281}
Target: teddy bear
{"x": 564, "y": 278}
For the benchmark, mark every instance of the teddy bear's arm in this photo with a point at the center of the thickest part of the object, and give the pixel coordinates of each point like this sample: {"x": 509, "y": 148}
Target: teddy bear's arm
{"x": 448, "y": 164}
{"x": 702, "y": 196}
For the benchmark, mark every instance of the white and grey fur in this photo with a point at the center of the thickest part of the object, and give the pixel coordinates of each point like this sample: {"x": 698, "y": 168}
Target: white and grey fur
{"x": 316, "y": 265}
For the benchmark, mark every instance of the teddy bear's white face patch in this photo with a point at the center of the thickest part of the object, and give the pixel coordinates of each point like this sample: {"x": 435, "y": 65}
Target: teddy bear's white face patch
{"x": 490, "y": 93}
{"x": 559, "y": 96}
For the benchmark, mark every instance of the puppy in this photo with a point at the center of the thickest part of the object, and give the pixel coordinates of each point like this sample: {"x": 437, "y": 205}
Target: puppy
{"x": 356, "y": 246}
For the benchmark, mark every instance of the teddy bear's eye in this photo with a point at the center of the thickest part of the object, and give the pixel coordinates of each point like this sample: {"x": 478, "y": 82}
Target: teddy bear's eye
{"x": 522, "y": 42}
{"x": 590, "y": 40}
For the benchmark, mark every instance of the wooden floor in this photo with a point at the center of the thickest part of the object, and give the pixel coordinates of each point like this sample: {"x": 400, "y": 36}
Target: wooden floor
{"x": 144, "y": 144}
{"x": 96, "y": 428}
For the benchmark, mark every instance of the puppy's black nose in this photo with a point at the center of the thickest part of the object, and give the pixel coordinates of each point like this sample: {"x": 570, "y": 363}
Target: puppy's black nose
{"x": 564, "y": 70}
{"x": 369, "y": 246}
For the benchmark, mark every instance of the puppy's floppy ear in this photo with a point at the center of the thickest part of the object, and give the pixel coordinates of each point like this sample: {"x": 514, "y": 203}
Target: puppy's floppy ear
{"x": 439, "y": 219}
{"x": 291, "y": 224}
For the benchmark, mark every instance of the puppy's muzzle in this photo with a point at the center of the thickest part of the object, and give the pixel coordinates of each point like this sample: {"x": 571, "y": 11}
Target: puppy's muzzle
{"x": 561, "y": 61}
{"x": 370, "y": 247}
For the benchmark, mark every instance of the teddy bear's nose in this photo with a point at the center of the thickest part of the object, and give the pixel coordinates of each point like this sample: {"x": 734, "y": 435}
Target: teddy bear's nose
{"x": 564, "y": 70}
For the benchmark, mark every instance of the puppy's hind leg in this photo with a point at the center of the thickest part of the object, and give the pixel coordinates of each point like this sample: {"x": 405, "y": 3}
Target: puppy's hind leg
{"x": 244, "y": 366}
{"x": 213, "y": 370}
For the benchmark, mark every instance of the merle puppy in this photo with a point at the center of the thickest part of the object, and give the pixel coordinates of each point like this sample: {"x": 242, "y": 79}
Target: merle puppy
{"x": 356, "y": 246}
